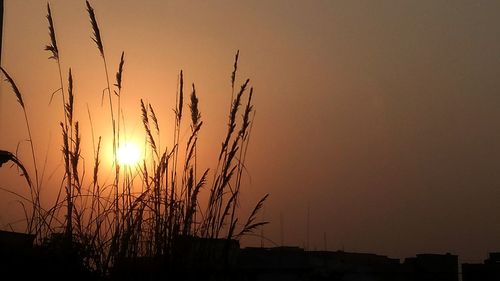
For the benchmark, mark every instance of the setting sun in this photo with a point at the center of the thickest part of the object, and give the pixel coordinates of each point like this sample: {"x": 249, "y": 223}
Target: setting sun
{"x": 128, "y": 154}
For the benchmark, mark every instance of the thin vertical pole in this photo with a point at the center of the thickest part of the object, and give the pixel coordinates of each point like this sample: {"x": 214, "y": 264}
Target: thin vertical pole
{"x": 1, "y": 39}
{"x": 282, "y": 234}
{"x": 325, "y": 241}
{"x": 308, "y": 226}
{"x": 1, "y": 29}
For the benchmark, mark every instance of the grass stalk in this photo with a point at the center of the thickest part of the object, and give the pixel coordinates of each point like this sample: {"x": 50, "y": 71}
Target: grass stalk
{"x": 34, "y": 189}
{"x": 110, "y": 225}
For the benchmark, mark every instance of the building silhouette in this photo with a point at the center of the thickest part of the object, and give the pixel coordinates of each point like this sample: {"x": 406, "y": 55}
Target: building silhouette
{"x": 487, "y": 271}
{"x": 223, "y": 259}
{"x": 293, "y": 263}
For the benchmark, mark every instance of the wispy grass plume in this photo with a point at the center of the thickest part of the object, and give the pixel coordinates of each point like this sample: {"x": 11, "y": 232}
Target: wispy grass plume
{"x": 251, "y": 224}
{"x": 195, "y": 113}
{"x": 119, "y": 74}
{"x": 6, "y": 156}
{"x": 235, "y": 69}
{"x": 152, "y": 114}
{"x": 95, "y": 27}
{"x": 52, "y": 47}
{"x": 180, "y": 103}
{"x": 69, "y": 106}
{"x": 145, "y": 122}
{"x": 15, "y": 89}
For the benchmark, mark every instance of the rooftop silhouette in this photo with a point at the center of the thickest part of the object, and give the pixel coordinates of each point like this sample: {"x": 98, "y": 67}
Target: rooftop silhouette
{"x": 222, "y": 259}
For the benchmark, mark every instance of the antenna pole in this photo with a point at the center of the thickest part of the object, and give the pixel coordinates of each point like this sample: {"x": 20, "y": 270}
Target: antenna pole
{"x": 308, "y": 226}
{"x": 1, "y": 39}
{"x": 324, "y": 240}
{"x": 282, "y": 236}
{"x": 1, "y": 29}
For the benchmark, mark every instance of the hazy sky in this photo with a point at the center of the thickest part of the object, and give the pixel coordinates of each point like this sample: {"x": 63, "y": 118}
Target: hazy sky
{"x": 381, "y": 116}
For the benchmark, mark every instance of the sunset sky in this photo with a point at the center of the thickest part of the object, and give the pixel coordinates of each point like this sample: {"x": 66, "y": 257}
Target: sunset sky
{"x": 380, "y": 117}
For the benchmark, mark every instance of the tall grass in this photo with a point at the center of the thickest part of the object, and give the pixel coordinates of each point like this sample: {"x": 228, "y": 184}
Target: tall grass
{"x": 33, "y": 224}
{"x": 150, "y": 206}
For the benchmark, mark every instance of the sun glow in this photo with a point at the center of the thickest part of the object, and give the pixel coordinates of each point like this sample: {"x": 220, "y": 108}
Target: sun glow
{"x": 128, "y": 154}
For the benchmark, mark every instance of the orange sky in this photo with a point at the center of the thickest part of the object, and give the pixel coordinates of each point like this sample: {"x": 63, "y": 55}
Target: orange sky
{"x": 382, "y": 116}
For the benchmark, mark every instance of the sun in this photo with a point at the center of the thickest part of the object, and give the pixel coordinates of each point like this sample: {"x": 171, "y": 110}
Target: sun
{"x": 128, "y": 154}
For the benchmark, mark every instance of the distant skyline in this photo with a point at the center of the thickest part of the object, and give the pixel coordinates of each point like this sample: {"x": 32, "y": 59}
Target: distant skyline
{"x": 381, "y": 117}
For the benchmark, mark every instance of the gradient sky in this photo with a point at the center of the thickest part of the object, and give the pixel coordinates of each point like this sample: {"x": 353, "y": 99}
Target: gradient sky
{"x": 381, "y": 117}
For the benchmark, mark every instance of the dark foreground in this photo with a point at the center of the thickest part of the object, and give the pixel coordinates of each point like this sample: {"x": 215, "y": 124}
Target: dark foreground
{"x": 217, "y": 259}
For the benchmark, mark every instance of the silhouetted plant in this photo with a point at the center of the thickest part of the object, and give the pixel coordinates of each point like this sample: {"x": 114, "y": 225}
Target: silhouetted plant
{"x": 33, "y": 222}
{"x": 104, "y": 225}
